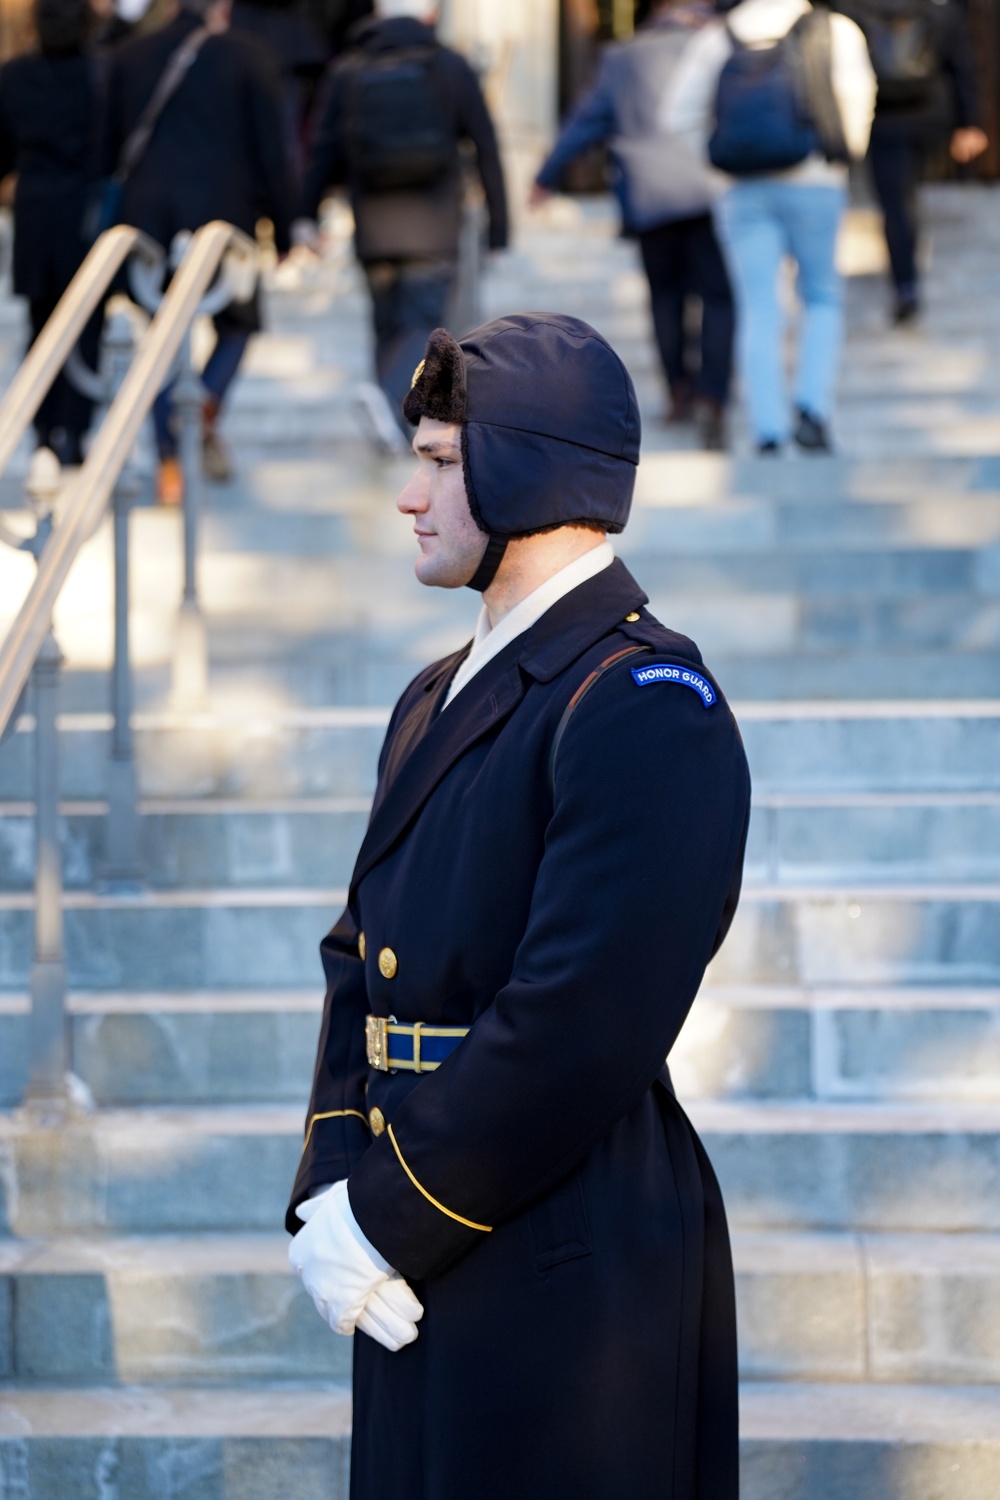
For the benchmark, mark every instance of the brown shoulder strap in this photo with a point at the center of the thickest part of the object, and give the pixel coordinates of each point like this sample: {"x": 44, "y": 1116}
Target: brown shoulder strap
{"x": 577, "y": 698}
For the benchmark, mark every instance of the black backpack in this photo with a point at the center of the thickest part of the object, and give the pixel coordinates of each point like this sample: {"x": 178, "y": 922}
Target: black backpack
{"x": 902, "y": 43}
{"x": 397, "y": 134}
{"x": 775, "y": 104}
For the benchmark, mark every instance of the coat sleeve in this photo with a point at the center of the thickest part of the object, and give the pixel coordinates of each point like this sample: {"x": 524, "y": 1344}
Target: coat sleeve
{"x": 327, "y": 164}
{"x": 639, "y": 875}
{"x": 475, "y": 124}
{"x": 592, "y": 121}
{"x": 267, "y": 144}
{"x": 854, "y": 84}
{"x": 336, "y": 1131}
{"x": 687, "y": 109}
{"x": 959, "y": 63}
{"x": 8, "y": 139}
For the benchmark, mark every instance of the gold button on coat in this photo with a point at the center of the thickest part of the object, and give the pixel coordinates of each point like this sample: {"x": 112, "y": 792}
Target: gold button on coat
{"x": 387, "y": 964}
{"x": 631, "y": 619}
{"x": 376, "y": 1120}
{"x": 362, "y": 946}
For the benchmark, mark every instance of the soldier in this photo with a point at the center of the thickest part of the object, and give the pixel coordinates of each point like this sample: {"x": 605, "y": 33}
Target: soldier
{"x": 499, "y": 1187}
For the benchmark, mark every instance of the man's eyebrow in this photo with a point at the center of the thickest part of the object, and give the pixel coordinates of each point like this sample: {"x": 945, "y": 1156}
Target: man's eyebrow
{"x": 435, "y": 447}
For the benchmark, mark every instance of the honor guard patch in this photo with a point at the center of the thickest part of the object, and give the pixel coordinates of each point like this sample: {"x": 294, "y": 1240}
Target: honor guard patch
{"x": 667, "y": 672}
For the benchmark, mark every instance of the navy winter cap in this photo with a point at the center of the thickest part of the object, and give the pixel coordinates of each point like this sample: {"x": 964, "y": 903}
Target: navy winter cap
{"x": 550, "y": 420}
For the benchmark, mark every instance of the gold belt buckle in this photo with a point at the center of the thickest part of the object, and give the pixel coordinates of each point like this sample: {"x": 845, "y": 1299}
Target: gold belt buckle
{"x": 377, "y": 1042}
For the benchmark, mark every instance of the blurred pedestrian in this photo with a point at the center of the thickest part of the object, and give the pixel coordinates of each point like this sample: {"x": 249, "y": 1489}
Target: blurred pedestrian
{"x": 288, "y": 33}
{"x": 397, "y": 110}
{"x": 666, "y": 192}
{"x": 47, "y": 114}
{"x": 739, "y": 91}
{"x": 217, "y": 152}
{"x": 927, "y": 97}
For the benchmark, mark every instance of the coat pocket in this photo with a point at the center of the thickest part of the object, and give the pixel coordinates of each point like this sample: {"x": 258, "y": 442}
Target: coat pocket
{"x": 560, "y": 1229}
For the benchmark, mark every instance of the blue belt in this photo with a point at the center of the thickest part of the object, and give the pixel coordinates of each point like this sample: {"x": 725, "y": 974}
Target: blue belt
{"x": 416, "y": 1048}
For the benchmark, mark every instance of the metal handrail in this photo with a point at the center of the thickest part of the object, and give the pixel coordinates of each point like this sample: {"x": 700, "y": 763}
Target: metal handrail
{"x": 58, "y": 338}
{"x": 87, "y": 495}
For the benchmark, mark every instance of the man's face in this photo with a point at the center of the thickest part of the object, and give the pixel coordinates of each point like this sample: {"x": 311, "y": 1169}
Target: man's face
{"x": 451, "y": 544}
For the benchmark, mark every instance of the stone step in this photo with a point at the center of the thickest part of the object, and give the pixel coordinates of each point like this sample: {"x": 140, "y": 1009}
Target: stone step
{"x": 849, "y": 1045}
{"x": 215, "y": 843}
{"x": 203, "y": 843}
{"x": 846, "y": 1167}
{"x": 222, "y": 1310}
{"x": 858, "y": 1442}
{"x": 262, "y": 938}
{"x": 856, "y": 1167}
{"x": 143, "y": 1444}
{"x": 740, "y": 1042}
{"x": 867, "y": 935}
{"x": 799, "y": 1442}
{"x": 259, "y": 751}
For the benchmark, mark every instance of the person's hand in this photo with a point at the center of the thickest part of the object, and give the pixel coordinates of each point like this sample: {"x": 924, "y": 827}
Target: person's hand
{"x": 968, "y": 143}
{"x": 351, "y": 1285}
{"x": 538, "y": 195}
{"x": 305, "y": 235}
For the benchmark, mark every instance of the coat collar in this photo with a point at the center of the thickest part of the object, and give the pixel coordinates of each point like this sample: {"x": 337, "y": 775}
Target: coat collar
{"x": 428, "y": 742}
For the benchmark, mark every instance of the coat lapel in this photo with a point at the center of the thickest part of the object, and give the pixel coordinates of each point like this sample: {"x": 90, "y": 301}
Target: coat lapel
{"x": 428, "y": 742}
{"x": 491, "y": 695}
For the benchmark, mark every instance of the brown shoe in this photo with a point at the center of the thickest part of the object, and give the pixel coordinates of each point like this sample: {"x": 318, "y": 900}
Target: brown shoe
{"x": 215, "y": 461}
{"x": 710, "y": 419}
{"x": 170, "y": 482}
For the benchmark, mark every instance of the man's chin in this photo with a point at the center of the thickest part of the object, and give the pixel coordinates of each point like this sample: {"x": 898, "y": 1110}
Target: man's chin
{"x": 438, "y": 573}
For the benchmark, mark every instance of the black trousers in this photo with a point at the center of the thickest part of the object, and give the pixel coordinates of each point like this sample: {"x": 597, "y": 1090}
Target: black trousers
{"x": 682, "y": 259}
{"x": 896, "y": 162}
{"x": 409, "y": 300}
{"x": 64, "y": 415}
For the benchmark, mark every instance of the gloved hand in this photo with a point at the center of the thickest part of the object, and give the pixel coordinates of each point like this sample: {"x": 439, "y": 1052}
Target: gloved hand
{"x": 350, "y": 1283}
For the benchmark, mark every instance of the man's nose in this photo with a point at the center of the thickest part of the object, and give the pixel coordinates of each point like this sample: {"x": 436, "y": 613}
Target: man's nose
{"x": 413, "y": 500}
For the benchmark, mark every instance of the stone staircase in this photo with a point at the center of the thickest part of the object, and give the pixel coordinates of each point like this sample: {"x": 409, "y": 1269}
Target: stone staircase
{"x": 842, "y": 1063}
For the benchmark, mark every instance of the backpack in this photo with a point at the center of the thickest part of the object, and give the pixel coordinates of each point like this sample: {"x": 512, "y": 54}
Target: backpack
{"x": 775, "y": 105}
{"x": 902, "y": 45}
{"x": 396, "y": 133}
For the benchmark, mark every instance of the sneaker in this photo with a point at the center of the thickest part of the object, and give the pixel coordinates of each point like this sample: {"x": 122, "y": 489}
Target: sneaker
{"x": 170, "y": 482}
{"x": 811, "y": 433}
{"x": 769, "y": 448}
{"x": 215, "y": 461}
{"x": 710, "y": 420}
{"x": 376, "y": 413}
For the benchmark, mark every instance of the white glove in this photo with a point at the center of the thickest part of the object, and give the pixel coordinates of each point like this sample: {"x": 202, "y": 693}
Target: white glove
{"x": 350, "y": 1283}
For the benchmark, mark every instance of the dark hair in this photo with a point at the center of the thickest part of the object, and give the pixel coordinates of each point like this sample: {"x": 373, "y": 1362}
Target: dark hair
{"x": 62, "y": 25}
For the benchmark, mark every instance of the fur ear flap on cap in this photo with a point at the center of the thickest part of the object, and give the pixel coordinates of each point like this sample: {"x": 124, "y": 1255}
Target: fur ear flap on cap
{"x": 438, "y": 388}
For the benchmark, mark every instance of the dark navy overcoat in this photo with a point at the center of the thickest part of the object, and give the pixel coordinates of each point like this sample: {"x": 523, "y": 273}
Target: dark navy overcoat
{"x": 543, "y": 1190}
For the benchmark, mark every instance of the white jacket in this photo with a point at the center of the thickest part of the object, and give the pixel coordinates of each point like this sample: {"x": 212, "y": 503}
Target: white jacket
{"x": 688, "y": 107}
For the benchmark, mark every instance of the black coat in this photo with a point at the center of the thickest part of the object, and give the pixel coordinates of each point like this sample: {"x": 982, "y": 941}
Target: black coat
{"x": 218, "y": 150}
{"x": 47, "y": 119}
{"x": 952, "y": 98}
{"x": 419, "y": 222}
{"x": 572, "y": 1257}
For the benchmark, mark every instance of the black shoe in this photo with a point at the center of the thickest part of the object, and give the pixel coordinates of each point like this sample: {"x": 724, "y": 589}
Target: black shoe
{"x": 769, "y": 448}
{"x": 907, "y": 309}
{"x": 811, "y": 433}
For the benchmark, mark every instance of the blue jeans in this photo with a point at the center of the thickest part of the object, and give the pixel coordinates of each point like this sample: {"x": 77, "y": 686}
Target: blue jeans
{"x": 217, "y": 376}
{"x": 760, "y": 222}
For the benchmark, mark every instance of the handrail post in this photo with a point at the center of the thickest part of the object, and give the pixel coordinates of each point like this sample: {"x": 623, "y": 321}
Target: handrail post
{"x": 49, "y": 1053}
{"x": 122, "y": 861}
{"x": 49, "y": 1038}
{"x": 190, "y": 677}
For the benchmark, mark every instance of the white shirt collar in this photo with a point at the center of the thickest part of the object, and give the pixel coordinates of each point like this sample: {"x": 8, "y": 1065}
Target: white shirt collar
{"x": 489, "y": 641}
